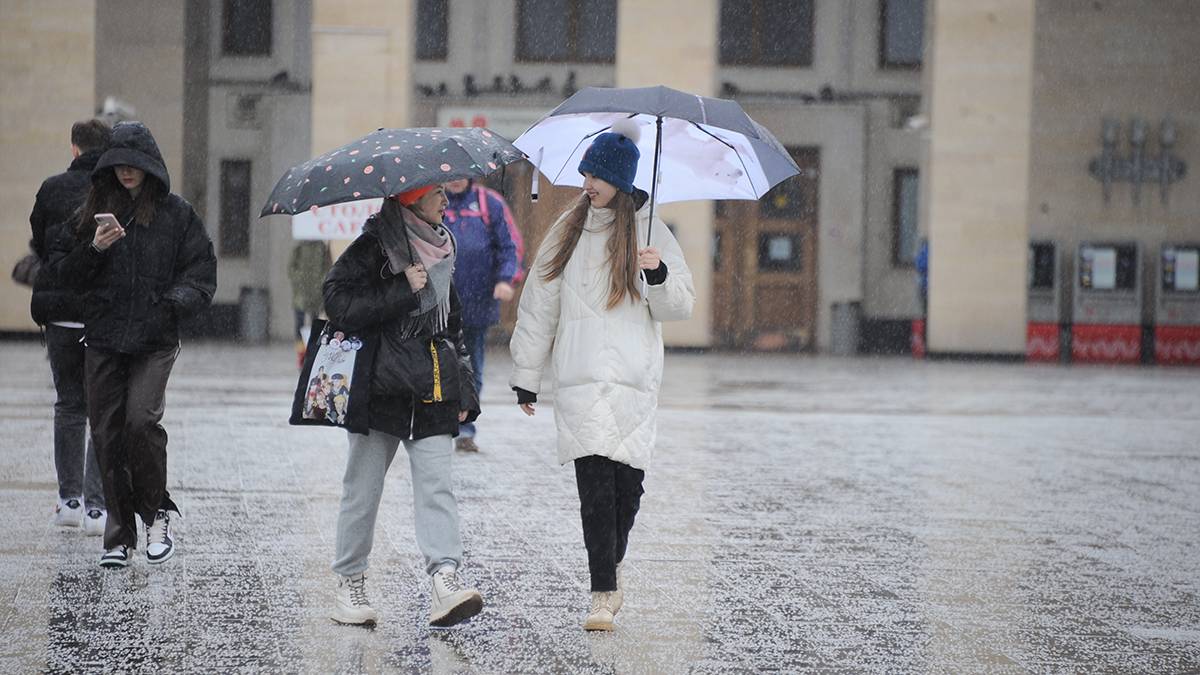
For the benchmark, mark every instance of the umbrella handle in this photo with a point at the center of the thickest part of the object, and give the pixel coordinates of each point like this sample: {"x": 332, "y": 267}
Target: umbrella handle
{"x": 533, "y": 192}
{"x": 654, "y": 176}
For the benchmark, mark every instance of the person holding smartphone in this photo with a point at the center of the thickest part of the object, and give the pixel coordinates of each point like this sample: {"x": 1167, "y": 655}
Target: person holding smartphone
{"x": 145, "y": 261}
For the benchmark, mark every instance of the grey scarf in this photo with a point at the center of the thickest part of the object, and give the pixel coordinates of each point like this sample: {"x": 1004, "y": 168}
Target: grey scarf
{"x": 406, "y": 239}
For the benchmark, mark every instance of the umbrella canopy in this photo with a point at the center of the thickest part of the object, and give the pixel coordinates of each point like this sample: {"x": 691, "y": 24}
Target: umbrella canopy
{"x": 710, "y": 148}
{"x": 389, "y": 161}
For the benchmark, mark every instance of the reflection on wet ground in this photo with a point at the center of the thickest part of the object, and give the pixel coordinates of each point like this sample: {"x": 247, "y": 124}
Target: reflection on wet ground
{"x": 802, "y": 514}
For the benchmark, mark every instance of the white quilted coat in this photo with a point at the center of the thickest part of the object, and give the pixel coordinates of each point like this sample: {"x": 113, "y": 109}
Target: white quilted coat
{"x": 608, "y": 364}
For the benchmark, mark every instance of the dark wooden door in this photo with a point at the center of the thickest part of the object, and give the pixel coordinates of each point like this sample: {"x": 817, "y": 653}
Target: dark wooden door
{"x": 765, "y": 273}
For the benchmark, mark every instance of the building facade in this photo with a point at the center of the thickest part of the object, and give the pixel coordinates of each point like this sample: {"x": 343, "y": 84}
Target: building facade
{"x": 971, "y": 124}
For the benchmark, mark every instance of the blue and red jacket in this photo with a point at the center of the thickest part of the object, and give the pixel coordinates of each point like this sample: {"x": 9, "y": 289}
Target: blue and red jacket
{"x": 490, "y": 250}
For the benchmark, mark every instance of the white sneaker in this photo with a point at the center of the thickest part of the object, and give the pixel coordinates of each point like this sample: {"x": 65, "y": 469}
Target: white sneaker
{"x": 350, "y": 605}
{"x": 94, "y": 522}
{"x": 450, "y": 602}
{"x": 601, "y": 615}
{"x": 118, "y": 556}
{"x": 68, "y": 513}
{"x": 159, "y": 545}
{"x": 618, "y": 596}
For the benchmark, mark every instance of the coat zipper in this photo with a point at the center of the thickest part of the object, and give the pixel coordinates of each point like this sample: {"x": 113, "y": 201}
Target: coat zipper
{"x": 412, "y": 422}
{"x": 132, "y": 282}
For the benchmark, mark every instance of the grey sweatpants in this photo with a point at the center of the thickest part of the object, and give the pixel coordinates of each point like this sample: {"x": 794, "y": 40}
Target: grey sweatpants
{"x": 434, "y": 509}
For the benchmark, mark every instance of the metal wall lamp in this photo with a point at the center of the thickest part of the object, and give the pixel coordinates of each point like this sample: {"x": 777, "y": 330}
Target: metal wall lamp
{"x": 1138, "y": 166}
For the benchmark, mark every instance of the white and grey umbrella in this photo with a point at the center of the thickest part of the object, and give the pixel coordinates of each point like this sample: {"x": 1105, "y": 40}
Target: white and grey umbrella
{"x": 702, "y": 148}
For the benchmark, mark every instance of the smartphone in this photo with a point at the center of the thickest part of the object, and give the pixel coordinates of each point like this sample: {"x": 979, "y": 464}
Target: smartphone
{"x": 107, "y": 220}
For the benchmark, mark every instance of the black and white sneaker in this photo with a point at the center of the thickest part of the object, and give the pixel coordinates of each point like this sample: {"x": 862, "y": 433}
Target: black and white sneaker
{"x": 159, "y": 545}
{"x": 115, "y": 557}
{"x": 68, "y": 513}
{"x": 94, "y": 522}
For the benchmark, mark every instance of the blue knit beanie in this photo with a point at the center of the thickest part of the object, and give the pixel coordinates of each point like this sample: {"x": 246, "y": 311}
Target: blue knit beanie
{"x": 613, "y": 156}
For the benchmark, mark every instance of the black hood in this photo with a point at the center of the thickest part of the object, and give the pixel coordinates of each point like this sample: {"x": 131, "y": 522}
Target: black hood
{"x": 133, "y": 145}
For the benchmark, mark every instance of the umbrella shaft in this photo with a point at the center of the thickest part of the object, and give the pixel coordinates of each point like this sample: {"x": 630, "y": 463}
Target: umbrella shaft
{"x": 654, "y": 176}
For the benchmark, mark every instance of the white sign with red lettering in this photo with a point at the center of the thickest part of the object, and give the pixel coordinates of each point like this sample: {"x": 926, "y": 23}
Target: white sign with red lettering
{"x": 340, "y": 221}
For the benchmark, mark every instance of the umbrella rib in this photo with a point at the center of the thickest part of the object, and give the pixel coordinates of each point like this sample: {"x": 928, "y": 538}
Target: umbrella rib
{"x": 729, "y": 145}
{"x": 572, "y": 153}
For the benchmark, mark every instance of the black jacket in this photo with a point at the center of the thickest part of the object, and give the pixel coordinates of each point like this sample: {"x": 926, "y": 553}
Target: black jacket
{"x": 55, "y": 212}
{"x": 362, "y": 297}
{"x": 139, "y": 289}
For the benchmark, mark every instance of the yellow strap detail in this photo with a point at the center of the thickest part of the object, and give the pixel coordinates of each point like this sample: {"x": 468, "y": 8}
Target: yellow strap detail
{"x": 437, "y": 373}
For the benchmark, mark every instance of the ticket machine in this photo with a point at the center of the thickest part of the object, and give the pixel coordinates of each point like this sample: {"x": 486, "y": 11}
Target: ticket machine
{"x": 1044, "y": 303}
{"x": 1177, "y": 305}
{"x": 1106, "y": 309}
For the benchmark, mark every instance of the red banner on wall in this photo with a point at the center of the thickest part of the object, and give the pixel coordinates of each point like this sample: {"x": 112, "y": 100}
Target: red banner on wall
{"x": 1041, "y": 342}
{"x": 1106, "y": 344}
{"x": 1177, "y": 345}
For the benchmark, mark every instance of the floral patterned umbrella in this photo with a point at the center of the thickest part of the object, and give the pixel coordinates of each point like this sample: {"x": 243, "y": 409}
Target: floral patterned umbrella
{"x": 389, "y": 161}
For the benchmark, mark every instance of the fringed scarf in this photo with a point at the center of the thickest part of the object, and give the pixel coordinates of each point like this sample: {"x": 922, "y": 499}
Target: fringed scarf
{"x": 404, "y": 237}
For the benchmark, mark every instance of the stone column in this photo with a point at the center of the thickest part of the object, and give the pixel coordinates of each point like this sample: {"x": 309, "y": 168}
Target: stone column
{"x": 362, "y": 71}
{"x": 48, "y": 75}
{"x": 141, "y": 63}
{"x": 674, "y": 43}
{"x": 981, "y": 87}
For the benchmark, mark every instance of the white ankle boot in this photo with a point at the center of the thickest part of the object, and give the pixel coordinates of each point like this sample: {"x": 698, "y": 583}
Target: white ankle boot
{"x": 450, "y": 602}
{"x": 601, "y": 615}
{"x": 351, "y": 605}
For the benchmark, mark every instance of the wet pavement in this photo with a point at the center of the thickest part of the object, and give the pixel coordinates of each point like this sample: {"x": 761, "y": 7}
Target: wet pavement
{"x": 802, "y": 514}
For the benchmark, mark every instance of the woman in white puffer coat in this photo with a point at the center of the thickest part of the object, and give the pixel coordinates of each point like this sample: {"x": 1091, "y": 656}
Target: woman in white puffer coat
{"x": 585, "y": 306}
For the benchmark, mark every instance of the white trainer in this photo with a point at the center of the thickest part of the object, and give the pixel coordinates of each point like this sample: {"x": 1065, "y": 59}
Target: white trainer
{"x": 159, "y": 544}
{"x": 350, "y": 605}
{"x": 68, "y": 513}
{"x": 94, "y": 522}
{"x": 450, "y": 602}
{"x": 601, "y": 615}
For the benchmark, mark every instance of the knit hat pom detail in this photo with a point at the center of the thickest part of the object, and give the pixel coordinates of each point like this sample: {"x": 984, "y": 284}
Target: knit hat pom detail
{"x": 627, "y": 128}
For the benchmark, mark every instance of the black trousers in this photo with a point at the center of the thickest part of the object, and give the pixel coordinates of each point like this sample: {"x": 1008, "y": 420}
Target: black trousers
{"x": 609, "y": 496}
{"x": 126, "y": 394}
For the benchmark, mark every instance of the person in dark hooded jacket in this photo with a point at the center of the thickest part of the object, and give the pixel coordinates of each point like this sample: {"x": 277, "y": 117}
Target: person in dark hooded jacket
{"x": 60, "y": 310}
{"x": 394, "y": 285}
{"x": 141, "y": 276}
{"x": 489, "y": 264}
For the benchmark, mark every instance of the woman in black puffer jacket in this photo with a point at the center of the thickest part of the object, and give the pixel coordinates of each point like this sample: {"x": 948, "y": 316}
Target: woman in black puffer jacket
{"x": 141, "y": 275}
{"x": 394, "y": 286}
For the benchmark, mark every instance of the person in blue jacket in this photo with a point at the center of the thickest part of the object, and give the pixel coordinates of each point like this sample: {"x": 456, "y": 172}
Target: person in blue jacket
{"x": 489, "y": 265}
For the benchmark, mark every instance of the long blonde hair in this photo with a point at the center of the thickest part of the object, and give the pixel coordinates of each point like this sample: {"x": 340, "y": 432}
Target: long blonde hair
{"x": 622, "y": 246}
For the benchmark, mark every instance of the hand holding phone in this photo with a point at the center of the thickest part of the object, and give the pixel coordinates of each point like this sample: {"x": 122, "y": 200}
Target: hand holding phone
{"x": 108, "y": 231}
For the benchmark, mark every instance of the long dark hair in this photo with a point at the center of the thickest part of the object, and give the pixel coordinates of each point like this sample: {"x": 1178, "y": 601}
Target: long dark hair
{"x": 622, "y": 246}
{"x": 107, "y": 195}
